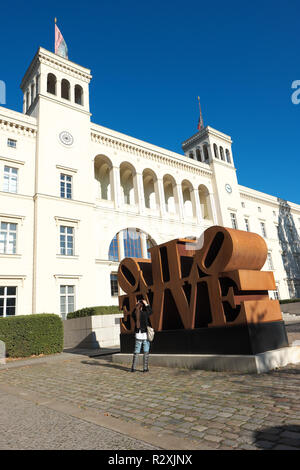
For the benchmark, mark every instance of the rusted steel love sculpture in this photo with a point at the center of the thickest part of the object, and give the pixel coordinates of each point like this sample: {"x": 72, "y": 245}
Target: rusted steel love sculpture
{"x": 218, "y": 285}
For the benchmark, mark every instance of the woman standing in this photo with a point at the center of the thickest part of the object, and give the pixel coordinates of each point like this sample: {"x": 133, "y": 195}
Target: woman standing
{"x": 141, "y": 316}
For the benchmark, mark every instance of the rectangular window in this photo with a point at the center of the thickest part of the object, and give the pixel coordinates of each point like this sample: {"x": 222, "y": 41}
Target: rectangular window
{"x": 10, "y": 179}
{"x": 65, "y": 186}
{"x": 66, "y": 240}
{"x": 8, "y": 238}
{"x": 263, "y": 229}
{"x": 114, "y": 284}
{"x": 247, "y": 225}
{"x": 243, "y": 204}
{"x": 12, "y": 143}
{"x": 270, "y": 262}
{"x": 67, "y": 300}
{"x": 8, "y": 301}
{"x": 259, "y": 209}
{"x": 233, "y": 220}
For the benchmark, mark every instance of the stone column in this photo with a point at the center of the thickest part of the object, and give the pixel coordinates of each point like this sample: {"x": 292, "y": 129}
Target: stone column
{"x": 161, "y": 196}
{"x": 213, "y": 208}
{"x": 37, "y": 84}
{"x": 121, "y": 245}
{"x": 139, "y": 190}
{"x": 197, "y": 205}
{"x": 144, "y": 245}
{"x": 179, "y": 200}
{"x": 210, "y": 153}
{"x": 116, "y": 187}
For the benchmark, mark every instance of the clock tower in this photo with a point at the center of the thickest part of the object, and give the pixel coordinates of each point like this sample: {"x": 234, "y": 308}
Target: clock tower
{"x": 56, "y": 92}
{"x": 213, "y": 148}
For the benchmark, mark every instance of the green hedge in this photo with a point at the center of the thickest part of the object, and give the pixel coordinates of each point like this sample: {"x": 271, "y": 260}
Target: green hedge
{"x": 89, "y": 311}
{"x": 288, "y": 301}
{"x": 27, "y": 335}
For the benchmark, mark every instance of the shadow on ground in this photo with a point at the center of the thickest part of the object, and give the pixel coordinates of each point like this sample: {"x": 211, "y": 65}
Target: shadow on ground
{"x": 278, "y": 437}
{"x": 108, "y": 364}
{"x": 94, "y": 352}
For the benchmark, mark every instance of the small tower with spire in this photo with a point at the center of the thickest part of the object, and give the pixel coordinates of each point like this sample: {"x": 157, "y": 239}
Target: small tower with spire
{"x": 213, "y": 149}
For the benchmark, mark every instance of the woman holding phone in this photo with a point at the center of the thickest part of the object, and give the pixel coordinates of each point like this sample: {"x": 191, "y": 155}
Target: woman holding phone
{"x": 141, "y": 316}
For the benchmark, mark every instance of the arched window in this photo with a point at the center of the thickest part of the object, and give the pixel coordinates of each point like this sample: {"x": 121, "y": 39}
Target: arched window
{"x": 113, "y": 252}
{"x": 169, "y": 185}
{"x": 206, "y": 154}
{"x": 198, "y": 155}
{"x": 27, "y": 100}
{"x": 222, "y": 153}
{"x": 228, "y": 156}
{"x": 130, "y": 243}
{"x": 103, "y": 175}
{"x": 65, "y": 89}
{"x": 32, "y": 93}
{"x": 127, "y": 179}
{"x": 51, "y": 83}
{"x": 204, "y": 202}
{"x": 37, "y": 85}
{"x": 216, "y": 151}
{"x": 78, "y": 94}
{"x": 191, "y": 155}
{"x": 150, "y": 192}
{"x": 187, "y": 190}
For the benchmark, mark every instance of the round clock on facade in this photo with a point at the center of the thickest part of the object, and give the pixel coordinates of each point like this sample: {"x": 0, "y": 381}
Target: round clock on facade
{"x": 66, "y": 138}
{"x": 228, "y": 188}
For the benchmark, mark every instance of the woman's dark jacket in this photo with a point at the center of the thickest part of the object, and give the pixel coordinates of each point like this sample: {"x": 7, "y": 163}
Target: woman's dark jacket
{"x": 144, "y": 318}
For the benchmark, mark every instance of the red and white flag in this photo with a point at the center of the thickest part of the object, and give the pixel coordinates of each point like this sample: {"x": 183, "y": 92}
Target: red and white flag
{"x": 60, "y": 44}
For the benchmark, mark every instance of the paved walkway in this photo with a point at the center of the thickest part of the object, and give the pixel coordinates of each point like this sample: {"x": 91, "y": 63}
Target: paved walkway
{"x": 28, "y": 426}
{"x": 166, "y": 408}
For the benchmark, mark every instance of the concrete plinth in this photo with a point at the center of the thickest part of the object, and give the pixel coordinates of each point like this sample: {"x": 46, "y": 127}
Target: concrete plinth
{"x": 257, "y": 364}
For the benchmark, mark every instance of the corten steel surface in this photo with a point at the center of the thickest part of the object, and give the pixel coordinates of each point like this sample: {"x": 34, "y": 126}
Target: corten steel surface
{"x": 218, "y": 285}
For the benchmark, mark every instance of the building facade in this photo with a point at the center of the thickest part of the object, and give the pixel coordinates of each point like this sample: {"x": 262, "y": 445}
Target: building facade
{"x": 77, "y": 197}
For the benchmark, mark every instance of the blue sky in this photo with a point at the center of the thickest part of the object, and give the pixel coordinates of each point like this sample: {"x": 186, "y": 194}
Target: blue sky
{"x": 150, "y": 61}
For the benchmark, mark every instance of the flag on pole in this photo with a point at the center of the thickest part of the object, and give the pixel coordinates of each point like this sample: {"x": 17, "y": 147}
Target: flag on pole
{"x": 200, "y": 122}
{"x": 60, "y": 44}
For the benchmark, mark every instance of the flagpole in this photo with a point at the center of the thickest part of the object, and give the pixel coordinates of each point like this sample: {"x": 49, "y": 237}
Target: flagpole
{"x": 201, "y": 124}
{"x": 55, "y": 21}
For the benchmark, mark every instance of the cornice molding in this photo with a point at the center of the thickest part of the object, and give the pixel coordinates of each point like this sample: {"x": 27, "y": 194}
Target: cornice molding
{"x": 252, "y": 194}
{"x": 9, "y": 125}
{"x": 58, "y": 63}
{"x": 205, "y": 133}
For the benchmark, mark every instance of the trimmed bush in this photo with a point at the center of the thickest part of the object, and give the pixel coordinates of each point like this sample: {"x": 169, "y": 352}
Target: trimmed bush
{"x": 89, "y": 311}
{"x": 27, "y": 335}
{"x": 288, "y": 301}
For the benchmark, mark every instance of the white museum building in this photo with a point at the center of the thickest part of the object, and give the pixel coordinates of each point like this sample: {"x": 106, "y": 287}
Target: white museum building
{"x": 76, "y": 198}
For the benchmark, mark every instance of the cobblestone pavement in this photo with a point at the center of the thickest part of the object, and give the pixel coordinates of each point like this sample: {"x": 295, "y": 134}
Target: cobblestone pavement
{"x": 219, "y": 410}
{"x": 27, "y": 426}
